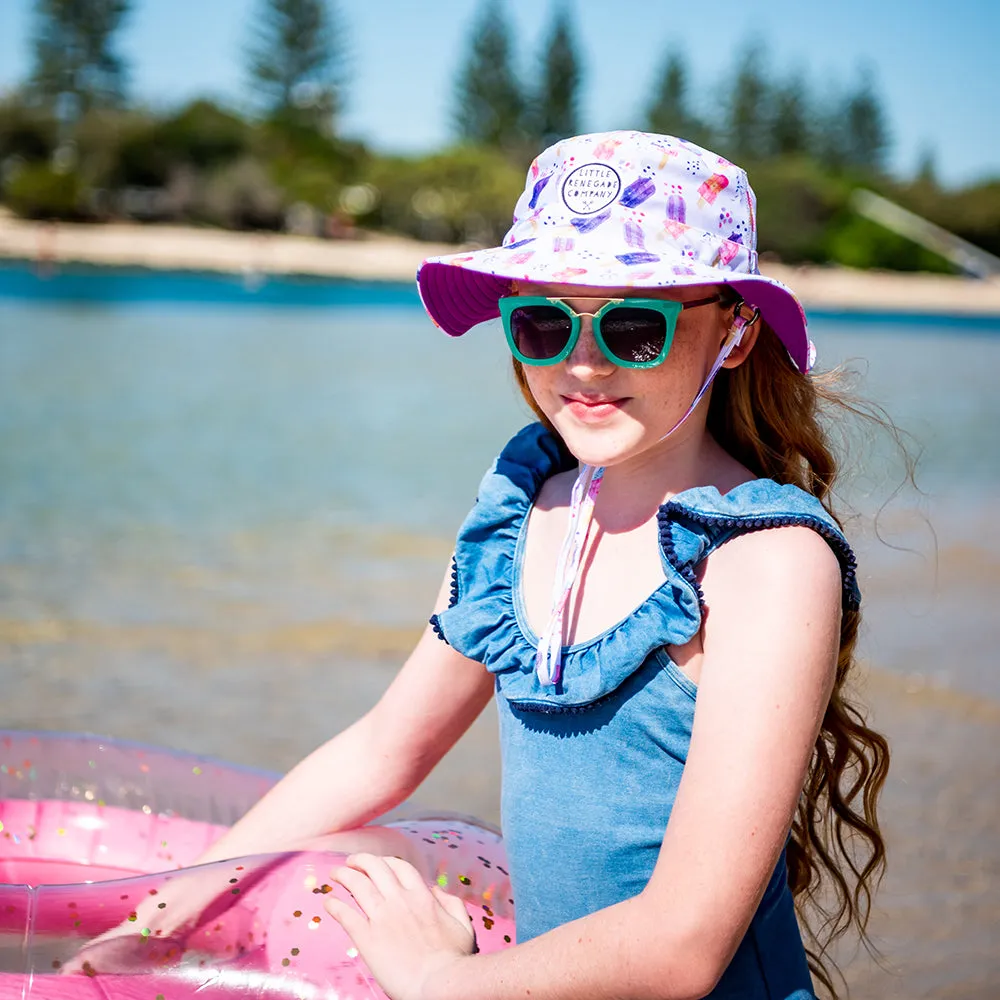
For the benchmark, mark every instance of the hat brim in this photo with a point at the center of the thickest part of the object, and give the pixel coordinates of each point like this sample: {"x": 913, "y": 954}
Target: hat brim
{"x": 461, "y": 290}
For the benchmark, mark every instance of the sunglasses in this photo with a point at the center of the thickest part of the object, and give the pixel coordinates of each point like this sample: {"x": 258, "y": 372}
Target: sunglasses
{"x": 631, "y": 333}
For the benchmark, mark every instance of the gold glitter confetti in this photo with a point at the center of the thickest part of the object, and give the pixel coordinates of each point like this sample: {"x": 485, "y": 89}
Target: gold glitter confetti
{"x": 465, "y": 880}
{"x": 295, "y": 951}
{"x": 286, "y": 961}
{"x": 297, "y": 913}
{"x": 506, "y": 938}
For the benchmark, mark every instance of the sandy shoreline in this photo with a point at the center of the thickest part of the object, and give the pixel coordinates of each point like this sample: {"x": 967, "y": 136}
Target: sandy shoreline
{"x": 393, "y": 258}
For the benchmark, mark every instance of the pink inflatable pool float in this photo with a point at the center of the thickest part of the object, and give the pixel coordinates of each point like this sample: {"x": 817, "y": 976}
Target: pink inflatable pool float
{"x": 96, "y": 834}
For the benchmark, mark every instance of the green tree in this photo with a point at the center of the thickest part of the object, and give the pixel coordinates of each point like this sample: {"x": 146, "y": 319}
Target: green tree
{"x": 791, "y": 131}
{"x": 864, "y": 129}
{"x": 557, "y": 102}
{"x": 748, "y": 108}
{"x": 489, "y": 102}
{"x": 75, "y": 65}
{"x": 296, "y": 59}
{"x": 668, "y": 112}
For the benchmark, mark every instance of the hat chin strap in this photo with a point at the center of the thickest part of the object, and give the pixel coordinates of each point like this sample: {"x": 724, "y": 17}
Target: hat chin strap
{"x": 548, "y": 659}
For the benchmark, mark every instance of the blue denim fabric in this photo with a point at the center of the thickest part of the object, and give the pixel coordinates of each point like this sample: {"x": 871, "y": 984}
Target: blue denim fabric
{"x": 591, "y": 766}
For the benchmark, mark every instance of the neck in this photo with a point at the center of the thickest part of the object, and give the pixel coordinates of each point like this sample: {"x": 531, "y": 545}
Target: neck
{"x": 634, "y": 488}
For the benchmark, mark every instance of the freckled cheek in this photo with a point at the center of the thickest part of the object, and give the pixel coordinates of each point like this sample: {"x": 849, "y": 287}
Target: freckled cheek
{"x": 543, "y": 387}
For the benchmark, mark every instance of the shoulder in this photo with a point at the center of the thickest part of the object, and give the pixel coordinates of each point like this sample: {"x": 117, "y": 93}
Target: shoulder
{"x": 761, "y": 533}
{"x": 793, "y": 564}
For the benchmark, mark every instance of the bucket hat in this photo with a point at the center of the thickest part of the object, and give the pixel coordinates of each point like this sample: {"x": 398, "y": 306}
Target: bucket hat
{"x": 621, "y": 209}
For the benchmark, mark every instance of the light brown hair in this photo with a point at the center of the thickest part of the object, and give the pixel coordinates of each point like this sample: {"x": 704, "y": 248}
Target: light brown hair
{"x": 770, "y": 417}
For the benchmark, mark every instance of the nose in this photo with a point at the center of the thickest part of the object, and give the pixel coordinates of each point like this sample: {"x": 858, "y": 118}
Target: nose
{"x": 587, "y": 360}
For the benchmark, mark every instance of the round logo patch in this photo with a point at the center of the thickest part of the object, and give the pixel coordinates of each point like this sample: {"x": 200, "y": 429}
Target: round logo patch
{"x": 590, "y": 188}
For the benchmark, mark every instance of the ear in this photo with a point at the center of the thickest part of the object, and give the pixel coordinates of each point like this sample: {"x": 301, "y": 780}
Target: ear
{"x": 742, "y": 350}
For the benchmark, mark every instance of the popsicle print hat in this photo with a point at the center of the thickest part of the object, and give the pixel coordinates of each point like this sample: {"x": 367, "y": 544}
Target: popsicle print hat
{"x": 621, "y": 209}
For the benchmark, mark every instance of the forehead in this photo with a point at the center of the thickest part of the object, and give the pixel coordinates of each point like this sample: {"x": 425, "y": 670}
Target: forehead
{"x": 554, "y": 291}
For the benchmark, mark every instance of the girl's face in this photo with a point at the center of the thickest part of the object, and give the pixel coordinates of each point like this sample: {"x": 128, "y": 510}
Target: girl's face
{"x": 607, "y": 414}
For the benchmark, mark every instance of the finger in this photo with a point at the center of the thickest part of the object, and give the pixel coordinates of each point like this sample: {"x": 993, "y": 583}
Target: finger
{"x": 407, "y": 876}
{"x": 360, "y": 886}
{"x": 452, "y": 905}
{"x": 384, "y": 878}
{"x": 353, "y": 921}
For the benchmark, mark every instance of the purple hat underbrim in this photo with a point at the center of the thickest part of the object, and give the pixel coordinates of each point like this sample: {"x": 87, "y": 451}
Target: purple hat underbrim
{"x": 458, "y": 298}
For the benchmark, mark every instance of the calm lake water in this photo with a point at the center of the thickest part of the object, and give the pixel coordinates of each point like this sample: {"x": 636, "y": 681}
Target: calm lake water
{"x": 222, "y": 525}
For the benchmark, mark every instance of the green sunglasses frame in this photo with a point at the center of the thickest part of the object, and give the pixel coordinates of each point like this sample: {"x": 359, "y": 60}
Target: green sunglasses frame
{"x": 668, "y": 308}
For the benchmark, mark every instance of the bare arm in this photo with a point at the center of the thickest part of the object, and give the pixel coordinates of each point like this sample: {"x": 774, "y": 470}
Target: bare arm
{"x": 766, "y": 671}
{"x": 375, "y": 763}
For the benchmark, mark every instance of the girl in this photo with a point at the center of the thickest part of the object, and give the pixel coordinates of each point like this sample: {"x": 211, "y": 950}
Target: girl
{"x": 654, "y": 591}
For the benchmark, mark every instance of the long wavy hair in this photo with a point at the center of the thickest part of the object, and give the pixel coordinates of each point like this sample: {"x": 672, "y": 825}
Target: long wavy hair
{"x": 775, "y": 421}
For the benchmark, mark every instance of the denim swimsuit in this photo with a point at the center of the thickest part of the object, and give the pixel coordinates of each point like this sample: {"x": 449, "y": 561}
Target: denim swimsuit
{"x": 591, "y": 765}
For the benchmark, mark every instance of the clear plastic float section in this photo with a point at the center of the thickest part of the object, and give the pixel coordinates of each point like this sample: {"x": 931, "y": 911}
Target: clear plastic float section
{"x": 97, "y": 837}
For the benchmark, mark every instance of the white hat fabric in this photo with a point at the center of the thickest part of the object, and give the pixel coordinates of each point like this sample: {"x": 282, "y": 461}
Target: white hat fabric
{"x": 620, "y": 209}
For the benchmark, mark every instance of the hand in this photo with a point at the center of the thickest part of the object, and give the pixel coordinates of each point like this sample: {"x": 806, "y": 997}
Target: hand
{"x": 407, "y": 932}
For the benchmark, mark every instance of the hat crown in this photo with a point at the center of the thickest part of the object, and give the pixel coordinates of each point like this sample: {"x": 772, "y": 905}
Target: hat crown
{"x": 645, "y": 198}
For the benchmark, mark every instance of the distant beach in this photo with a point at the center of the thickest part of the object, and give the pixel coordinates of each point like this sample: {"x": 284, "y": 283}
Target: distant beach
{"x": 394, "y": 258}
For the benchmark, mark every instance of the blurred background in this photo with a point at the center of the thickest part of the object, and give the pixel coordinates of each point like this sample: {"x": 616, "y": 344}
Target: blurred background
{"x": 230, "y": 471}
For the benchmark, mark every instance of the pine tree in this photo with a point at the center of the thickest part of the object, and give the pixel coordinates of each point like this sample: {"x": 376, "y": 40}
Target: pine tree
{"x": 865, "y": 134}
{"x": 489, "y": 102}
{"x": 557, "y": 103}
{"x": 668, "y": 112}
{"x": 748, "y": 108}
{"x": 75, "y": 62}
{"x": 791, "y": 126}
{"x": 296, "y": 58}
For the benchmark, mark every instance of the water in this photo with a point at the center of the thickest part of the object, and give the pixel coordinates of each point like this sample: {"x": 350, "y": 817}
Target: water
{"x": 222, "y": 527}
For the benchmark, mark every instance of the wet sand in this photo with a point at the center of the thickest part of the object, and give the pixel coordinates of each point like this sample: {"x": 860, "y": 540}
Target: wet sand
{"x": 393, "y": 258}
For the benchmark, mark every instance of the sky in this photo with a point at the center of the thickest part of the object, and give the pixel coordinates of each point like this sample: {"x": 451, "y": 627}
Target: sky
{"x": 934, "y": 64}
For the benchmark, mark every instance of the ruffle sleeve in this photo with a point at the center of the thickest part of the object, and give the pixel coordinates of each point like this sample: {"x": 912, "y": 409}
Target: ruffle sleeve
{"x": 697, "y": 521}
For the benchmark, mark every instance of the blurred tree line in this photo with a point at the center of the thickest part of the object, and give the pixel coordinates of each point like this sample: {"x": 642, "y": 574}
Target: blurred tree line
{"x": 73, "y": 147}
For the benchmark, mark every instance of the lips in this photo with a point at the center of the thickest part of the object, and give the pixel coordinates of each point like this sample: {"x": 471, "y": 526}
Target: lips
{"x": 592, "y": 409}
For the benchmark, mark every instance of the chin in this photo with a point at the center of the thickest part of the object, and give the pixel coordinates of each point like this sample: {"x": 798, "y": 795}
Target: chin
{"x": 599, "y": 446}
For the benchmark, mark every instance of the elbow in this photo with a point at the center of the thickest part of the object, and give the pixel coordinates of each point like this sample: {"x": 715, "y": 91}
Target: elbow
{"x": 691, "y": 954}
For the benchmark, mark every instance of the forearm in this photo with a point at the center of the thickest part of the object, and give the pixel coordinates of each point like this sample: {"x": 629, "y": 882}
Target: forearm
{"x": 624, "y": 951}
{"x": 346, "y": 782}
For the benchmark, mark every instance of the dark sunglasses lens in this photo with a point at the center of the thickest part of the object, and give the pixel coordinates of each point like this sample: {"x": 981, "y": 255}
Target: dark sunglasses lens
{"x": 540, "y": 332}
{"x": 635, "y": 335}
